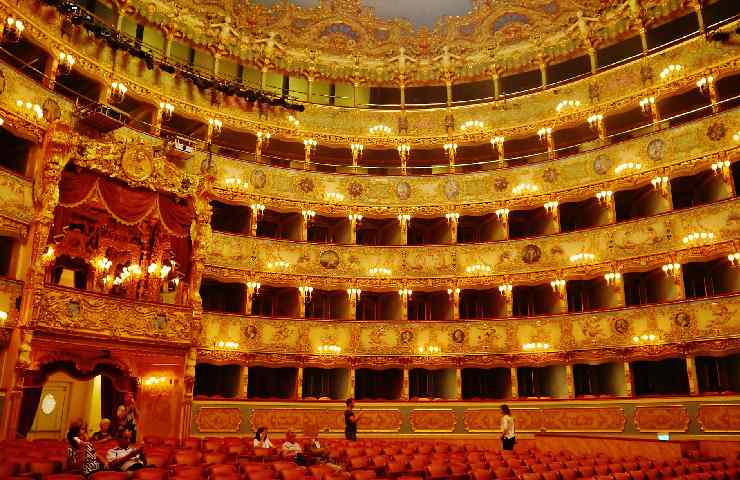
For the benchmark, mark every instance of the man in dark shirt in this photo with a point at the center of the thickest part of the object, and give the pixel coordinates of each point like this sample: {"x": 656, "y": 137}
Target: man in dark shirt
{"x": 350, "y": 420}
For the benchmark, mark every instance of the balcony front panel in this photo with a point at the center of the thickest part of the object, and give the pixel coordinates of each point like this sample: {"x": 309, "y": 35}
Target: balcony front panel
{"x": 707, "y": 324}
{"x": 16, "y": 207}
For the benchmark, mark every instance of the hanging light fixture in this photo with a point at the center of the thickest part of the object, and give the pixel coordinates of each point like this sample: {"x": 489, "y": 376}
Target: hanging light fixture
{"x": 117, "y": 92}
{"x": 66, "y": 62}
{"x": 13, "y": 29}
{"x": 167, "y": 110}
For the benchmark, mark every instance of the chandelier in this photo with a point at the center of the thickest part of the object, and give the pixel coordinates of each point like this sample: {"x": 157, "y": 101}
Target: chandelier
{"x": 704, "y": 82}
{"x": 33, "y": 109}
{"x": 670, "y": 71}
{"x": 644, "y": 338}
{"x": 567, "y": 105}
{"x": 354, "y": 293}
{"x": 308, "y": 215}
{"x": 49, "y": 256}
{"x": 452, "y": 217}
{"x": 227, "y": 345}
{"x": 612, "y": 278}
{"x": 430, "y": 350}
{"x": 551, "y": 207}
{"x": 380, "y": 130}
{"x": 558, "y": 286}
{"x": 478, "y": 268}
{"x": 502, "y": 214}
{"x": 472, "y": 125}
{"x": 278, "y": 265}
{"x": 214, "y": 127}
{"x": 722, "y": 168}
{"x": 306, "y": 292}
{"x": 13, "y": 29}
{"x": 117, "y": 92}
{"x": 357, "y": 149}
{"x": 167, "y": 110}
{"x": 672, "y": 269}
{"x": 354, "y": 217}
{"x": 525, "y": 189}
{"x": 405, "y": 293}
{"x": 66, "y": 62}
{"x": 379, "y": 272}
{"x": 646, "y": 103}
{"x": 506, "y": 290}
{"x": 329, "y": 349}
{"x": 627, "y": 167}
{"x": 334, "y": 196}
{"x": 734, "y": 259}
{"x": 258, "y": 210}
{"x": 535, "y": 346}
{"x": 660, "y": 184}
{"x": 582, "y": 258}
{"x": 236, "y": 184}
{"x": 697, "y": 237}
{"x": 102, "y": 264}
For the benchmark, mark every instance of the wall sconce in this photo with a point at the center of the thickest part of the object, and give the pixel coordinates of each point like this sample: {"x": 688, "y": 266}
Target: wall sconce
{"x": 567, "y": 105}
{"x": 258, "y": 210}
{"x": 354, "y": 293}
{"x": 12, "y": 29}
{"x": 214, "y": 127}
{"x": 306, "y": 292}
{"x": 497, "y": 143}
{"x": 334, "y": 196}
{"x": 645, "y": 103}
{"x": 227, "y": 345}
{"x": 478, "y": 268}
{"x": 293, "y": 121}
{"x": 558, "y": 286}
{"x": 543, "y": 133}
{"x": 670, "y": 71}
{"x": 263, "y": 140}
{"x": 129, "y": 274}
{"x": 644, "y": 338}
{"x": 357, "y": 149}
{"x": 403, "y": 152}
{"x": 672, "y": 269}
{"x": 354, "y": 218}
{"x": 704, "y": 82}
{"x": 278, "y": 265}
{"x": 627, "y": 167}
{"x": 533, "y": 346}
{"x": 117, "y": 92}
{"x": 697, "y": 237}
{"x": 525, "y": 189}
{"x": 551, "y": 208}
{"x": 430, "y": 350}
{"x": 734, "y": 259}
{"x": 156, "y": 269}
{"x": 254, "y": 287}
{"x": 329, "y": 349}
{"x": 102, "y": 264}
{"x": 380, "y": 130}
{"x": 452, "y": 217}
{"x": 506, "y": 290}
{"x": 405, "y": 293}
{"x": 722, "y": 168}
{"x": 594, "y": 120}
{"x": 157, "y": 384}
{"x": 404, "y": 218}
{"x": 613, "y": 278}
{"x": 167, "y": 110}
{"x": 660, "y": 184}
{"x": 308, "y": 215}
{"x": 451, "y": 291}
{"x": 309, "y": 145}
{"x": 66, "y": 62}
{"x": 3, "y": 315}
{"x": 472, "y": 125}
{"x": 451, "y": 151}
{"x": 236, "y": 184}
{"x": 33, "y": 109}
{"x": 604, "y": 197}
{"x": 379, "y": 272}
{"x": 49, "y": 256}
{"x": 582, "y": 257}
{"x": 502, "y": 214}
{"x": 736, "y": 137}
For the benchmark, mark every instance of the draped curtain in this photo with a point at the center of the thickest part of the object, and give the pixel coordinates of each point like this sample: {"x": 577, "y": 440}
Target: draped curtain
{"x": 127, "y": 205}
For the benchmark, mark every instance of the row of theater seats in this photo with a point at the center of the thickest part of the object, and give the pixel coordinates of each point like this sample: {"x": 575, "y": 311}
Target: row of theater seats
{"x": 233, "y": 458}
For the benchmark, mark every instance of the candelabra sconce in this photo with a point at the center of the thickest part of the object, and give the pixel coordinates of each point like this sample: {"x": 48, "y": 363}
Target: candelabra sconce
{"x": 453, "y": 293}
{"x": 551, "y": 208}
{"x": 558, "y": 286}
{"x": 722, "y": 168}
{"x": 478, "y": 269}
{"x": 253, "y": 288}
{"x": 354, "y": 294}
{"x": 354, "y": 218}
{"x": 157, "y": 270}
{"x": 672, "y": 270}
{"x": 661, "y": 185}
{"x": 380, "y": 130}
{"x": 645, "y": 338}
{"x": 226, "y": 345}
{"x": 258, "y": 210}
{"x": 13, "y": 29}
{"x": 30, "y": 109}
{"x": 130, "y": 274}
{"x": 404, "y": 151}
{"x": 65, "y": 62}
{"x": 670, "y": 72}
{"x": 329, "y": 349}
{"x": 736, "y": 137}
{"x": 567, "y": 106}
{"x": 236, "y": 184}
{"x": 697, "y": 238}
{"x": 734, "y": 259}
{"x": 706, "y": 86}
{"x": 648, "y": 104}
{"x": 596, "y": 122}
{"x": 294, "y": 123}
{"x": 263, "y": 141}
{"x": 308, "y": 215}
{"x": 334, "y": 197}
{"x": 452, "y": 217}
{"x": 581, "y": 258}
{"x": 157, "y": 385}
{"x": 117, "y": 92}
{"x": 305, "y": 292}
{"x": 3, "y": 316}
{"x": 404, "y": 219}
{"x": 214, "y": 129}
{"x": 280, "y": 265}
{"x": 613, "y": 279}
{"x": 357, "y": 150}
{"x": 102, "y": 264}
{"x": 49, "y": 256}
{"x": 451, "y": 150}
{"x": 309, "y": 146}
{"x": 472, "y": 126}
{"x": 535, "y": 347}
{"x": 497, "y": 143}
{"x": 502, "y": 215}
{"x": 167, "y": 110}
{"x": 543, "y": 133}
{"x": 525, "y": 189}
{"x": 429, "y": 350}
{"x": 627, "y": 167}
{"x": 604, "y": 197}
{"x": 379, "y": 272}
{"x": 405, "y": 294}
{"x": 506, "y": 291}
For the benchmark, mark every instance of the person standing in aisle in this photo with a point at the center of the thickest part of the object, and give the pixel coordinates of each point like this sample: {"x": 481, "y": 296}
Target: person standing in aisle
{"x": 508, "y": 434}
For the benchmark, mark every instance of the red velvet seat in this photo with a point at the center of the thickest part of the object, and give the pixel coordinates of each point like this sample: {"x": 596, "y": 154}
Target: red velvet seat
{"x": 363, "y": 475}
{"x": 62, "y": 476}
{"x": 481, "y": 474}
{"x": 437, "y": 472}
{"x": 151, "y": 474}
{"x": 293, "y": 474}
{"x": 261, "y": 475}
{"x": 531, "y": 476}
{"x": 109, "y": 476}
{"x": 551, "y": 475}
{"x": 602, "y": 469}
{"x": 539, "y": 468}
{"x": 359, "y": 463}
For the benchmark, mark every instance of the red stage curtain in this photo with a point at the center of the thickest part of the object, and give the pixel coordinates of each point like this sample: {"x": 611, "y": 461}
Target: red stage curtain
{"x": 127, "y": 205}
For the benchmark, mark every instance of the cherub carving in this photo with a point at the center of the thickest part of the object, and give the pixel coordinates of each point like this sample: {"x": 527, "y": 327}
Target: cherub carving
{"x": 270, "y": 44}
{"x": 446, "y": 59}
{"x": 226, "y": 31}
{"x": 582, "y": 23}
{"x": 402, "y": 58}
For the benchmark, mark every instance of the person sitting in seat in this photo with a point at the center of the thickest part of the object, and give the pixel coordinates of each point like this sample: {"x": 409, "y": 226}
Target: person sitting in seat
{"x": 313, "y": 446}
{"x": 104, "y": 433}
{"x": 261, "y": 439}
{"x": 125, "y": 457}
{"x": 81, "y": 455}
{"x": 291, "y": 449}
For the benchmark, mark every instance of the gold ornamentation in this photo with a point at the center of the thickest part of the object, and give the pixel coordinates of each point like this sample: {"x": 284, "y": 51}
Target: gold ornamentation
{"x": 433, "y": 420}
{"x": 663, "y": 418}
{"x": 719, "y": 418}
{"x": 218, "y": 420}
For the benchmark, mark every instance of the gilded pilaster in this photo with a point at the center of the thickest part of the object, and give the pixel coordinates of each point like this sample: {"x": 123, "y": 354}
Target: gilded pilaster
{"x": 405, "y": 385}
{"x": 299, "y": 384}
{"x": 514, "y": 384}
{"x": 569, "y": 382}
{"x": 628, "y": 384}
{"x": 691, "y": 373}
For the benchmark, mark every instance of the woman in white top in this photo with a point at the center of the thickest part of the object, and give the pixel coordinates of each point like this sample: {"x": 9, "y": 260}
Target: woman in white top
{"x": 508, "y": 435}
{"x": 261, "y": 440}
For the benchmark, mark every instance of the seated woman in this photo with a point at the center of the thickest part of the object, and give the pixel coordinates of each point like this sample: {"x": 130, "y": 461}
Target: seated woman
{"x": 81, "y": 454}
{"x": 261, "y": 439}
{"x": 313, "y": 449}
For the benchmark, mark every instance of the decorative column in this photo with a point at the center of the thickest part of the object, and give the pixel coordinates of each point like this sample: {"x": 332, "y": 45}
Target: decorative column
{"x": 354, "y": 297}
{"x": 404, "y": 293}
{"x": 244, "y": 389}
{"x": 404, "y": 219}
{"x": 454, "y": 296}
{"x": 596, "y": 122}
{"x": 514, "y": 384}
{"x": 543, "y": 70}
{"x": 186, "y": 412}
{"x": 403, "y": 154}
{"x": 458, "y": 384}
{"x": 351, "y": 384}
{"x": 299, "y": 384}
{"x": 553, "y": 210}
{"x": 570, "y": 384}
{"x": 257, "y": 211}
{"x": 697, "y": 4}
{"x": 263, "y": 140}
{"x": 628, "y": 387}
{"x": 405, "y": 384}
{"x": 450, "y": 149}
{"x": 691, "y": 372}
{"x": 506, "y": 291}
{"x": 706, "y": 86}
{"x": 546, "y": 137}
{"x": 51, "y": 70}
{"x": 453, "y": 219}
{"x": 649, "y": 104}
{"x": 594, "y": 60}
{"x": 496, "y": 80}
{"x": 643, "y": 38}
{"x": 304, "y": 296}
